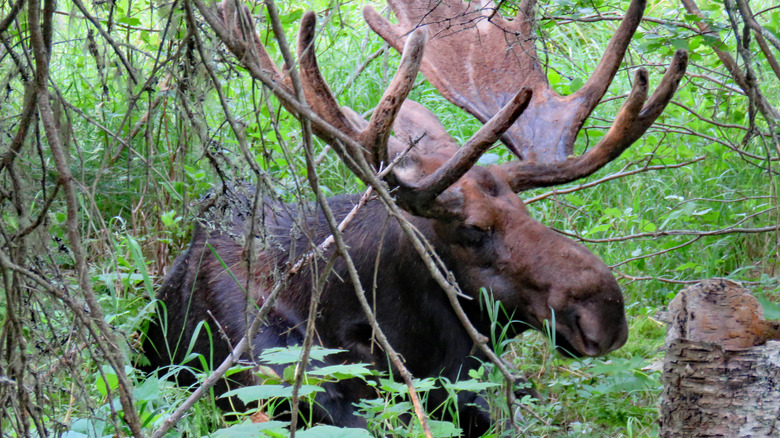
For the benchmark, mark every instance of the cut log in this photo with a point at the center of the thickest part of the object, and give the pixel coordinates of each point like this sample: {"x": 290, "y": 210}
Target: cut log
{"x": 722, "y": 367}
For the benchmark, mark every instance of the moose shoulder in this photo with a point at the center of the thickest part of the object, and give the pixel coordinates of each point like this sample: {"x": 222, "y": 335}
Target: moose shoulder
{"x": 471, "y": 215}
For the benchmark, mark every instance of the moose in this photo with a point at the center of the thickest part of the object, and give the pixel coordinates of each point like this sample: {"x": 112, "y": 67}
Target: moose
{"x": 470, "y": 214}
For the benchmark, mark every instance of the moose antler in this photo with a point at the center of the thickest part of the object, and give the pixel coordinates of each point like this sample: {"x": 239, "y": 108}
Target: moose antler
{"x": 415, "y": 196}
{"x": 476, "y": 59}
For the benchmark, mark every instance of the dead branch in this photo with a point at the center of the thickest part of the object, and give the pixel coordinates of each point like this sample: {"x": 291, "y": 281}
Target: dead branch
{"x": 110, "y": 345}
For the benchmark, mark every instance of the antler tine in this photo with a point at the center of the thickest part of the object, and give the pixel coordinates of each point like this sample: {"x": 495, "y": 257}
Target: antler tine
{"x": 666, "y": 88}
{"x": 632, "y": 121}
{"x": 375, "y": 137}
{"x": 316, "y": 90}
{"x": 396, "y": 35}
{"x": 595, "y": 87}
{"x": 624, "y": 121}
{"x": 376, "y": 134}
{"x": 238, "y": 23}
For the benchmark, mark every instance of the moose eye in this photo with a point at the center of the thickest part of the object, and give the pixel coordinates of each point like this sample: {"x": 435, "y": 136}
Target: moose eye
{"x": 472, "y": 235}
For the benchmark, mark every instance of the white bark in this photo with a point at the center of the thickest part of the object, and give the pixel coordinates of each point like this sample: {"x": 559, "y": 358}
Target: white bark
{"x": 723, "y": 386}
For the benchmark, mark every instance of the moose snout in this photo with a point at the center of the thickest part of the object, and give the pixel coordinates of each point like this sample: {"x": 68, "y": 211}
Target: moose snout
{"x": 598, "y": 333}
{"x": 591, "y": 329}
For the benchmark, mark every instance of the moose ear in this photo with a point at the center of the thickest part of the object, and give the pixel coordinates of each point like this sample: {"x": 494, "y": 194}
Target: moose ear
{"x": 414, "y": 126}
{"x": 417, "y": 124}
{"x": 355, "y": 119}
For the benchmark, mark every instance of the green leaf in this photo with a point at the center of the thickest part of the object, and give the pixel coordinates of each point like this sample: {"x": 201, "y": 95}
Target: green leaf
{"x": 288, "y": 375}
{"x": 292, "y": 16}
{"x": 287, "y": 355}
{"x": 575, "y": 84}
{"x": 575, "y": 199}
{"x": 692, "y": 18}
{"x": 771, "y": 309}
{"x": 478, "y": 373}
{"x": 107, "y": 380}
{"x": 169, "y": 219}
{"x": 140, "y": 264}
{"x": 712, "y": 41}
{"x": 392, "y": 387}
{"x": 333, "y": 432}
{"x": 597, "y": 229}
{"x": 250, "y": 394}
{"x": 253, "y": 430}
{"x": 470, "y": 385}
{"x": 689, "y": 265}
{"x": 647, "y": 226}
{"x": 148, "y": 391}
{"x": 130, "y": 21}
{"x": 680, "y": 43}
{"x": 553, "y": 77}
{"x": 424, "y": 385}
{"x": 83, "y": 427}
{"x": 444, "y": 429}
{"x": 342, "y": 372}
{"x": 648, "y": 46}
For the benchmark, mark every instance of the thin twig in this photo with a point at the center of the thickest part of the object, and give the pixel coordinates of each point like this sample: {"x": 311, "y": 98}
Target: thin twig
{"x": 657, "y": 253}
{"x": 108, "y": 38}
{"x": 618, "y": 175}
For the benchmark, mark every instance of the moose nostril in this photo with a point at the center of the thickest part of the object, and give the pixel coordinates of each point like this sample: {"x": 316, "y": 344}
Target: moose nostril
{"x": 592, "y": 347}
{"x": 590, "y": 343}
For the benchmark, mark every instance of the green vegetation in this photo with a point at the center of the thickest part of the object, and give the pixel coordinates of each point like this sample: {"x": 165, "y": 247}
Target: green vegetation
{"x": 146, "y": 138}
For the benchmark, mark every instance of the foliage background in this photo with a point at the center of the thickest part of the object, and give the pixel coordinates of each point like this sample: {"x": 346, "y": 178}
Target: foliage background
{"x": 137, "y": 121}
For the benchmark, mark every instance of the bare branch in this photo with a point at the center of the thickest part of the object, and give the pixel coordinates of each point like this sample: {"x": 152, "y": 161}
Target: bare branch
{"x": 113, "y": 354}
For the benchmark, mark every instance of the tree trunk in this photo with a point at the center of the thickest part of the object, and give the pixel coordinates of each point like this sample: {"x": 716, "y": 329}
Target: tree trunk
{"x": 721, "y": 377}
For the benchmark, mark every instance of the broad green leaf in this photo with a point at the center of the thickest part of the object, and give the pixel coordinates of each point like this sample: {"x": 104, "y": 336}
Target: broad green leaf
{"x": 147, "y": 391}
{"x": 470, "y": 385}
{"x": 343, "y": 371}
{"x": 107, "y": 377}
{"x": 253, "y": 430}
{"x": 250, "y": 394}
{"x": 771, "y": 309}
{"x": 323, "y": 431}
{"x": 444, "y": 429}
{"x": 648, "y": 227}
{"x": 288, "y": 355}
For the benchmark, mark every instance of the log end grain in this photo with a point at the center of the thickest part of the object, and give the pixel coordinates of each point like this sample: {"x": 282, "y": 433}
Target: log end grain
{"x": 719, "y": 311}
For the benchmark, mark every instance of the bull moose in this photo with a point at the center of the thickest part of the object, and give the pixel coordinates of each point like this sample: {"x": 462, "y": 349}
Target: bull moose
{"x": 470, "y": 215}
